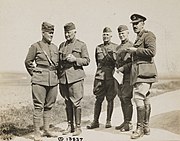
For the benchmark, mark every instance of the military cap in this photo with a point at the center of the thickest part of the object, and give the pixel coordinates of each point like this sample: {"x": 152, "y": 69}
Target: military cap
{"x": 137, "y": 18}
{"x": 69, "y": 26}
{"x": 107, "y": 29}
{"x": 47, "y": 27}
{"x": 122, "y": 28}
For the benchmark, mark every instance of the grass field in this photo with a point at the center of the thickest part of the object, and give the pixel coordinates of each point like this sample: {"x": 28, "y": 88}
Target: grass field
{"x": 16, "y": 102}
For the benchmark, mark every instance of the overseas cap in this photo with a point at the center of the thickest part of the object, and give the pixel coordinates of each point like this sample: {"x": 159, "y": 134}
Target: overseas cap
{"x": 137, "y": 18}
{"x": 47, "y": 27}
{"x": 107, "y": 29}
{"x": 122, "y": 28}
{"x": 69, "y": 26}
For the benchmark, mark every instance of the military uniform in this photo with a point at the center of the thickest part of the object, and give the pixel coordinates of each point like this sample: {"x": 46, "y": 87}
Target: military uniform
{"x": 125, "y": 90}
{"x": 104, "y": 80}
{"x": 43, "y": 77}
{"x": 105, "y": 56}
{"x": 71, "y": 73}
{"x": 143, "y": 74}
{"x": 71, "y": 78}
{"x": 146, "y": 50}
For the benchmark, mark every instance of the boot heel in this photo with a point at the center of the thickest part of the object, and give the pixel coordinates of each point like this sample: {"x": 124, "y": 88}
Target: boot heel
{"x": 77, "y": 132}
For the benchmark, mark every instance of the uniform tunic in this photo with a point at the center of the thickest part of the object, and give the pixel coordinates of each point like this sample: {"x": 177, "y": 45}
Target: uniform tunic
{"x": 143, "y": 72}
{"x": 124, "y": 60}
{"x": 105, "y": 56}
{"x": 146, "y": 50}
{"x": 71, "y": 75}
{"x": 41, "y": 74}
{"x": 44, "y": 75}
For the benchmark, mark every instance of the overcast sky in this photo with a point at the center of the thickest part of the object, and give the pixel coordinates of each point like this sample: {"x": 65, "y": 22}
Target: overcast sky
{"x": 20, "y": 24}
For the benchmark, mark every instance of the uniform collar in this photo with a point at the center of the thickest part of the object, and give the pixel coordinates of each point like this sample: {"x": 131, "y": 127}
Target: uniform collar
{"x": 108, "y": 43}
{"x": 72, "y": 41}
{"x": 141, "y": 33}
{"x": 45, "y": 42}
{"x": 125, "y": 41}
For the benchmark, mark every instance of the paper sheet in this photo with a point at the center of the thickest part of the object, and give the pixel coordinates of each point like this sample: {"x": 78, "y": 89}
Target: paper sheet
{"x": 118, "y": 76}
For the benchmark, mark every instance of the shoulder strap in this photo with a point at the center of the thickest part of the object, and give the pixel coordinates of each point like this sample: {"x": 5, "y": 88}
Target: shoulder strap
{"x": 50, "y": 61}
{"x": 105, "y": 52}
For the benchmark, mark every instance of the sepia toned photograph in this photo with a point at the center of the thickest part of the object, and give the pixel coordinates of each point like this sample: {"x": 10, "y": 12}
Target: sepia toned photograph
{"x": 104, "y": 70}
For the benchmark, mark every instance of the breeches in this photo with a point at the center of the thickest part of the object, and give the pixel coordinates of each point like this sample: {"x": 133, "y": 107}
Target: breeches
{"x": 125, "y": 93}
{"x": 104, "y": 88}
{"x": 141, "y": 94}
{"x": 44, "y": 97}
{"x": 72, "y": 93}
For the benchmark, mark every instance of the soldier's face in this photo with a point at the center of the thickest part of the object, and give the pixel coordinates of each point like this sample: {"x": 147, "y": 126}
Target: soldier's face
{"x": 137, "y": 27}
{"x": 107, "y": 37}
{"x": 47, "y": 36}
{"x": 69, "y": 35}
{"x": 123, "y": 35}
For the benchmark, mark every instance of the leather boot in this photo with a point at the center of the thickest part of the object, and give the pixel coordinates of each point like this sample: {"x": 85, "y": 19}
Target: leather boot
{"x": 97, "y": 111}
{"x": 37, "y": 136}
{"x": 93, "y": 125}
{"x": 108, "y": 124}
{"x": 139, "y": 132}
{"x": 37, "y": 124}
{"x": 70, "y": 128}
{"x": 128, "y": 110}
{"x": 146, "y": 119}
{"x": 78, "y": 130}
{"x": 127, "y": 113}
{"x": 110, "y": 107}
{"x": 124, "y": 115}
{"x": 46, "y": 120}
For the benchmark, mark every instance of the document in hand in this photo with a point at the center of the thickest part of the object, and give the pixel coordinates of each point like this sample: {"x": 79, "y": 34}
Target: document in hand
{"x": 118, "y": 76}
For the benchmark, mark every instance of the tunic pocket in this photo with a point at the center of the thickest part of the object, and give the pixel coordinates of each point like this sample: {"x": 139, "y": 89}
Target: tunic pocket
{"x": 76, "y": 52}
{"x": 147, "y": 70}
{"x": 100, "y": 54}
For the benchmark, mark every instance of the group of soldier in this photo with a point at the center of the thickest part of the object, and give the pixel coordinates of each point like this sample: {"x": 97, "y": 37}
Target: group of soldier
{"x": 51, "y": 67}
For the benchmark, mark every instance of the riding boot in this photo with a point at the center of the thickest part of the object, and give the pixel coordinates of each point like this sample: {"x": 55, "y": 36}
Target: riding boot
{"x": 110, "y": 107}
{"x": 78, "y": 130}
{"x": 127, "y": 113}
{"x": 139, "y": 132}
{"x": 97, "y": 111}
{"x": 37, "y": 124}
{"x": 146, "y": 119}
{"x": 124, "y": 115}
{"x": 46, "y": 120}
{"x": 70, "y": 120}
{"x": 128, "y": 110}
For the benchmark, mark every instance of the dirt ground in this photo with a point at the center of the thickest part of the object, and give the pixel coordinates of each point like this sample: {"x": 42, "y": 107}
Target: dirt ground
{"x": 18, "y": 95}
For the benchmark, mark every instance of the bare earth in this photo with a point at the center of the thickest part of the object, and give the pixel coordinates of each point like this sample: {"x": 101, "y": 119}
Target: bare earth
{"x": 165, "y": 113}
{"x": 165, "y": 118}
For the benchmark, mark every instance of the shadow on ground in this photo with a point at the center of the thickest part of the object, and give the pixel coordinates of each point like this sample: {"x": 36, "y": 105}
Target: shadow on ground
{"x": 168, "y": 121}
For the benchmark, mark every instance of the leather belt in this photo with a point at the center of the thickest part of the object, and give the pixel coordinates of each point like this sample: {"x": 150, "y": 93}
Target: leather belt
{"x": 47, "y": 67}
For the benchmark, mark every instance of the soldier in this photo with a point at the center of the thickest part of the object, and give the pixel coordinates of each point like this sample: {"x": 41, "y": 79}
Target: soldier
{"x": 123, "y": 64}
{"x": 44, "y": 78}
{"x": 143, "y": 73}
{"x": 73, "y": 55}
{"x": 105, "y": 56}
